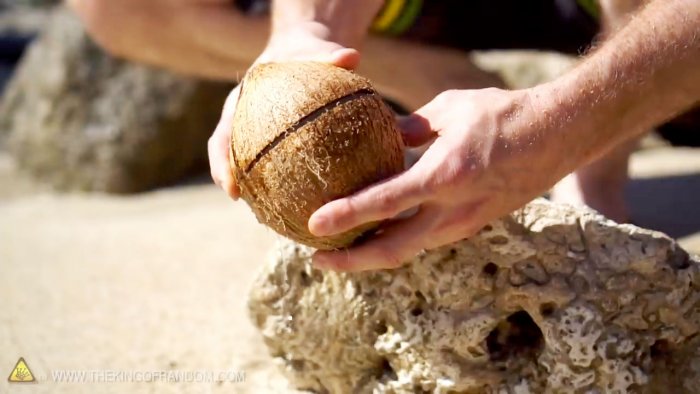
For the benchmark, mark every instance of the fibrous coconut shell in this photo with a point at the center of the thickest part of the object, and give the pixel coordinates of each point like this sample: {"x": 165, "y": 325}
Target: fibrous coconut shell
{"x": 305, "y": 134}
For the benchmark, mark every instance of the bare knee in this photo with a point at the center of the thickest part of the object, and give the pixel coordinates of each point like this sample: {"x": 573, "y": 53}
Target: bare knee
{"x": 106, "y": 21}
{"x": 616, "y": 13}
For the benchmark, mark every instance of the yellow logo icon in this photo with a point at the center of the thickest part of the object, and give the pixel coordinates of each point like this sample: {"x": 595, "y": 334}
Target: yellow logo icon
{"x": 21, "y": 373}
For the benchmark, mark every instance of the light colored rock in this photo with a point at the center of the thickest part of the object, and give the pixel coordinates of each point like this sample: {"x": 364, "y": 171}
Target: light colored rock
{"x": 550, "y": 299}
{"x": 22, "y": 20}
{"x": 522, "y": 69}
{"x": 81, "y": 119}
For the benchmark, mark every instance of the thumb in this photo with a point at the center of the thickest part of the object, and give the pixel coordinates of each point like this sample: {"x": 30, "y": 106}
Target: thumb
{"x": 415, "y": 129}
{"x": 347, "y": 58}
{"x": 219, "y": 148}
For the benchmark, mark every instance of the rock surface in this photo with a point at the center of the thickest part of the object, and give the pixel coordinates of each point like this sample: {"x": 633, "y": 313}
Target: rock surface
{"x": 81, "y": 119}
{"x": 550, "y": 299}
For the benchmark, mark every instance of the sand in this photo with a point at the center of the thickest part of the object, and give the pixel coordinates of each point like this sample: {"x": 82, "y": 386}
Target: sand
{"x": 154, "y": 282}
{"x": 158, "y": 281}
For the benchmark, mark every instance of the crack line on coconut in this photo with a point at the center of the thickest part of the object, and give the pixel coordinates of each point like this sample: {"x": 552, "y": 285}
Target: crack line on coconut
{"x": 313, "y": 115}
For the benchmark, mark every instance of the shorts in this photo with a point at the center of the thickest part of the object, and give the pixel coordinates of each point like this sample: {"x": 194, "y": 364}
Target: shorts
{"x": 567, "y": 26}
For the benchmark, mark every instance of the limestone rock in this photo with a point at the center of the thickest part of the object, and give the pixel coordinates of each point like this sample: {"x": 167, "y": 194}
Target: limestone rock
{"x": 82, "y": 119}
{"x": 547, "y": 300}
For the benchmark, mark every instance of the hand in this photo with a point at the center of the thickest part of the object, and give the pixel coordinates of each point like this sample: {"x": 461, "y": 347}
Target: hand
{"x": 302, "y": 43}
{"x": 486, "y": 161}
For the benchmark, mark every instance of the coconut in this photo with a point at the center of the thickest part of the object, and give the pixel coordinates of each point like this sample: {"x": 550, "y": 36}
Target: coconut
{"x": 307, "y": 133}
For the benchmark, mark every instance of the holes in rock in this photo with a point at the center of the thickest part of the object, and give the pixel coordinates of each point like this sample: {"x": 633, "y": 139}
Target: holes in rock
{"x": 305, "y": 279}
{"x": 547, "y": 309}
{"x": 417, "y": 311}
{"x": 381, "y": 328}
{"x": 516, "y": 337}
{"x": 660, "y": 348}
{"x": 416, "y": 389}
{"x": 490, "y": 269}
{"x": 678, "y": 259}
{"x": 297, "y": 365}
{"x": 419, "y": 295}
{"x": 498, "y": 240}
{"x": 386, "y": 371}
{"x": 487, "y": 228}
{"x": 418, "y": 308}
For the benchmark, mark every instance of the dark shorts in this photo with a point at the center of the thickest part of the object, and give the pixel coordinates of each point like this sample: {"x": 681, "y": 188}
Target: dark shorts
{"x": 559, "y": 25}
{"x": 567, "y": 26}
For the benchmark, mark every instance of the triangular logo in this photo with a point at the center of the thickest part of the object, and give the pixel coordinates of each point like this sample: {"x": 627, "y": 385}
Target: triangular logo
{"x": 21, "y": 373}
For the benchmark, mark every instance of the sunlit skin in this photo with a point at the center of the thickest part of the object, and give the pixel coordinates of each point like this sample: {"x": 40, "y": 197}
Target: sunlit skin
{"x": 493, "y": 150}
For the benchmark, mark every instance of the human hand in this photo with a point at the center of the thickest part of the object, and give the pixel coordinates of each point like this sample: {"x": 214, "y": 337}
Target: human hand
{"x": 487, "y": 160}
{"x": 305, "y": 42}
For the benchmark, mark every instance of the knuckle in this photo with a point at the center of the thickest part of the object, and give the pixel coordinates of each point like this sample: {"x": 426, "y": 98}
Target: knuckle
{"x": 347, "y": 209}
{"x": 426, "y": 186}
{"x": 211, "y": 143}
{"x": 491, "y": 90}
{"x": 450, "y": 95}
{"x": 390, "y": 258}
{"x": 443, "y": 97}
{"x": 385, "y": 204}
{"x": 344, "y": 214}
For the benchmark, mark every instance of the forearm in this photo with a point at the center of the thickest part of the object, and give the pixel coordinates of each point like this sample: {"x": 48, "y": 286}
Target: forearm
{"x": 341, "y": 21}
{"x": 645, "y": 74}
{"x": 205, "y": 38}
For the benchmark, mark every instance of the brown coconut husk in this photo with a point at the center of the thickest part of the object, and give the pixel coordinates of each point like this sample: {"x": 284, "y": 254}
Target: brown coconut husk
{"x": 305, "y": 134}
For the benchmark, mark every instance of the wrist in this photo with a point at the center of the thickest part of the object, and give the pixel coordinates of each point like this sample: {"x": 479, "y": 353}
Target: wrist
{"x": 545, "y": 148}
{"x": 563, "y": 120}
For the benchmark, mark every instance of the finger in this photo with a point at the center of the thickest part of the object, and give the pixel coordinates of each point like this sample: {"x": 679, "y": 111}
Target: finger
{"x": 397, "y": 244}
{"x": 219, "y": 148}
{"x": 347, "y": 58}
{"x": 415, "y": 129}
{"x": 381, "y": 201}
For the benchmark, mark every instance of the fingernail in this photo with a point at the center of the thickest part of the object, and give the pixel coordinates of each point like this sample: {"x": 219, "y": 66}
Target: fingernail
{"x": 319, "y": 226}
{"x": 229, "y": 188}
{"x": 233, "y": 193}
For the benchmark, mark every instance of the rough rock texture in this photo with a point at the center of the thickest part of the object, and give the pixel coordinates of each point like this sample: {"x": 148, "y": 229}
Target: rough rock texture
{"x": 550, "y": 299}
{"x": 81, "y": 119}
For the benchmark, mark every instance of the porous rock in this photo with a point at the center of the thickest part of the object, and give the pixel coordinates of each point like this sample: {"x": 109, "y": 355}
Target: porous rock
{"x": 81, "y": 119}
{"x": 547, "y": 300}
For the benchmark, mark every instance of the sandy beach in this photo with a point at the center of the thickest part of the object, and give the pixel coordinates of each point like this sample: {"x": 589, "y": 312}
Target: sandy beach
{"x": 156, "y": 283}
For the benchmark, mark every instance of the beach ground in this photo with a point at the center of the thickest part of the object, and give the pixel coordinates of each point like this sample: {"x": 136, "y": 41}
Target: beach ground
{"x": 153, "y": 286}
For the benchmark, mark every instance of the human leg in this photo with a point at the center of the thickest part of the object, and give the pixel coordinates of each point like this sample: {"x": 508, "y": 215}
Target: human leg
{"x": 600, "y": 184}
{"x": 208, "y": 38}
